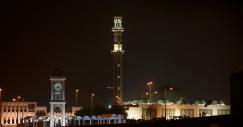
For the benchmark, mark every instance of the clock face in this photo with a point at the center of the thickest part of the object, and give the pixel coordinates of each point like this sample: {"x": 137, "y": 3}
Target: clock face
{"x": 58, "y": 86}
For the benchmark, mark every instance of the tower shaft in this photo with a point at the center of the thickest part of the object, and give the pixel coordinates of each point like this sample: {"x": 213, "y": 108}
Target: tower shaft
{"x": 117, "y": 53}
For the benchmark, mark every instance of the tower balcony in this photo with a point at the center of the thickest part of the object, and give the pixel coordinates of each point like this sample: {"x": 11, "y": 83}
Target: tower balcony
{"x": 117, "y": 29}
{"x": 117, "y": 51}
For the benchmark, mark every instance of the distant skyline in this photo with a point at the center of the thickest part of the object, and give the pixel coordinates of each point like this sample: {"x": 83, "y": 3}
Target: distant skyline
{"x": 191, "y": 46}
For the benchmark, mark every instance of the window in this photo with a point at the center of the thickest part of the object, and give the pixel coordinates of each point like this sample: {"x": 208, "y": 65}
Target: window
{"x": 13, "y": 120}
{"x": 4, "y": 108}
{"x": 8, "y": 120}
{"x": 13, "y": 108}
{"x": 4, "y": 120}
{"x": 31, "y": 107}
{"x": 21, "y": 108}
{"x": 7, "y": 109}
{"x": 187, "y": 112}
{"x": 58, "y": 96}
{"x": 169, "y": 113}
{"x": 205, "y": 112}
{"x": 25, "y": 108}
{"x": 17, "y": 108}
{"x": 223, "y": 111}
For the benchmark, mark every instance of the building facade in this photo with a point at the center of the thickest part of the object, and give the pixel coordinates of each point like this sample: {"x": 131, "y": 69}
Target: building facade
{"x": 13, "y": 113}
{"x": 140, "y": 110}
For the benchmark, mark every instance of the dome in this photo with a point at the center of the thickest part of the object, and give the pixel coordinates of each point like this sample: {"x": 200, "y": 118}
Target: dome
{"x": 179, "y": 102}
{"x": 217, "y": 102}
{"x": 200, "y": 102}
{"x": 163, "y": 101}
{"x": 221, "y": 102}
{"x": 160, "y": 101}
{"x": 146, "y": 101}
{"x": 136, "y": 101}
{"x": 214, "y": 102}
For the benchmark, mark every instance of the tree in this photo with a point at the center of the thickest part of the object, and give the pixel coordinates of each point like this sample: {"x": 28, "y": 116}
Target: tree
{"x": 40, "y": 113}
{"x": 99, "y": 110}
{"x": 118, "y": 109}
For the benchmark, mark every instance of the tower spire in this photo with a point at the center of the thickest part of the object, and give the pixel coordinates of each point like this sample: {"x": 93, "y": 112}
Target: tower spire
{"x": 117, "y": 53}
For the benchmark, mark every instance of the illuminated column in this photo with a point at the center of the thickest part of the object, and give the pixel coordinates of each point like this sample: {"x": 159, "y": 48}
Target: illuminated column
{"x": 117, "y": 53}
{"x": 51, "y": 116}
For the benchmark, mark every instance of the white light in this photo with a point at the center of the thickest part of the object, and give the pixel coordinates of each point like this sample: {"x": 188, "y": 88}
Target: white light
{"x": 109, "y": 106}
{"x": 117, "y": 47}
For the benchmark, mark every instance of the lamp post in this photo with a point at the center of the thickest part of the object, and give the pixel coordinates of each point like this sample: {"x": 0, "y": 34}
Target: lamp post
{"x": 76, "y": 105}
{"x": 150, "y": 98}
{"x": 76, "y": 100}
{"x": 165, "y": 100}
{"x": 22, "y": 110}
{"x": 14, "y": 100}
{"x": 18, "y": 100}
{"x": 17, "y": 108}
{"x": 92, "y": 103}
{"x": 143, "y": 98}
{"x": 0, "y": 107}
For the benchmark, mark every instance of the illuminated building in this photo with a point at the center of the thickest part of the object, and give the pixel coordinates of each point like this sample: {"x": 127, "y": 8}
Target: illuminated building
{"x": 139, "y": 110}
{"x": 57, "y": 103}
{"x": 117, "y": 53}
{"x": 15, "y": 112}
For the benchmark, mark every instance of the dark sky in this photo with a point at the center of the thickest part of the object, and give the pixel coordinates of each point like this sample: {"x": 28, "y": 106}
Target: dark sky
{"x": 192, "y": 46}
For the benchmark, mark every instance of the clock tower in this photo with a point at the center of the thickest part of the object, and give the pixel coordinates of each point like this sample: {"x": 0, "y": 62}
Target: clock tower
{"x": 57, "y": 102}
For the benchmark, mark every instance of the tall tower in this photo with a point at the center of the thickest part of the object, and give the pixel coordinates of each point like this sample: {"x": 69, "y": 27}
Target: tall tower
{"x": 57, "y": 102}
{"x": 117, "y": 53}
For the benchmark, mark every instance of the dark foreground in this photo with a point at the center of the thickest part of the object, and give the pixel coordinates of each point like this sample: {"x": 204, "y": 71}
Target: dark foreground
{"x": 214, "y": 121}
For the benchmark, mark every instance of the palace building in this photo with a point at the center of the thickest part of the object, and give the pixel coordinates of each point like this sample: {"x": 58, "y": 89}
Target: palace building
{"x": 145, "y": 110}
{"x": 13, "y": 113}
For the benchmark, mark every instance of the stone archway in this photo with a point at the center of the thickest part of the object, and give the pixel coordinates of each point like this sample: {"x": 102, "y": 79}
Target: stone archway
{"x": 57, "y": 114}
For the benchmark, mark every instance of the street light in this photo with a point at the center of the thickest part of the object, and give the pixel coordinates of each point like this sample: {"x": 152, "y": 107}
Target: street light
{"x": 150, "y": 98}
{"x": 76, "y": 100}
{"x": 144, "y": 97}
{"x": 0, "y": 107}
{"x": 18, "y": 98}
{"x": 17, "y": 108}
{"x": 92, "y": 103}
{"x": 22, "y": 109}
{"x": 166, "y": 99}
{"x": 14, "y": 100}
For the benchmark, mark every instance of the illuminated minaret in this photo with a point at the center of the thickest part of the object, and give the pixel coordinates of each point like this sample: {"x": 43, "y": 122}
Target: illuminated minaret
{"x": 117, "y": 53}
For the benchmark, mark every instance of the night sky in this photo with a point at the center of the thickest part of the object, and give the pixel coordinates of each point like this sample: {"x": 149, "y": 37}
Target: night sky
{"x": 191, "y": 46}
